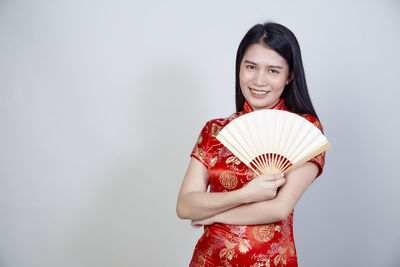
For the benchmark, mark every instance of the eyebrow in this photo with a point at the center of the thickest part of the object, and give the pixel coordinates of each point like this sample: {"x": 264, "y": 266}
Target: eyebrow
{"x": 270, "y": 66}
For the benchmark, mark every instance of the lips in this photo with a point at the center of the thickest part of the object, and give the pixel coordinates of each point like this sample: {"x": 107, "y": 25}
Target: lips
{"x": 258, "y": 92}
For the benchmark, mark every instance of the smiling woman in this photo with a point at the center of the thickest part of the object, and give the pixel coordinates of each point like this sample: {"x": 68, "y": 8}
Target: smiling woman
{"x": 247, "y": 221}
{"x": 263, "y": 76}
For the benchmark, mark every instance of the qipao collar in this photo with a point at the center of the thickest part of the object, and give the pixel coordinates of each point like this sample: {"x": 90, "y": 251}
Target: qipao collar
{"x": 279, "y": 106}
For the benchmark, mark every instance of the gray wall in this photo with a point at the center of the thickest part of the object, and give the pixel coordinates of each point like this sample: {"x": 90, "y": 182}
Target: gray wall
{"x": 101, "y": 103}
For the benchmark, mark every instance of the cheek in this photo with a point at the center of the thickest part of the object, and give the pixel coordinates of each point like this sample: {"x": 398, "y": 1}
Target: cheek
{"x": 279, "y": 84}
{"x": 244, "y": 78}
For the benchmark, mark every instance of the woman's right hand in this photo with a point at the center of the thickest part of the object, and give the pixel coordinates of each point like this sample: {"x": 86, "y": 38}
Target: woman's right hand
{"x": 263, "y": 187}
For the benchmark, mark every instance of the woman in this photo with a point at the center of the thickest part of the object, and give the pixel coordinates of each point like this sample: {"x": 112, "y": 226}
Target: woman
{"x": 247, "y": 221}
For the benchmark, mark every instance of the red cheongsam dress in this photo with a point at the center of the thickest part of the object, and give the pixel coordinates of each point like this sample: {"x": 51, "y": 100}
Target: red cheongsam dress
{"x": 240, "y": 245}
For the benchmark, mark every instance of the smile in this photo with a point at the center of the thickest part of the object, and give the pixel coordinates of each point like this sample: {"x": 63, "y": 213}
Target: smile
{"x": 258, "y": 92}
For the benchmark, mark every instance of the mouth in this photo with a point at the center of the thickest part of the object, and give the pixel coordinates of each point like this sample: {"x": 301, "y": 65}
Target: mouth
{"x": 258, "y": 92}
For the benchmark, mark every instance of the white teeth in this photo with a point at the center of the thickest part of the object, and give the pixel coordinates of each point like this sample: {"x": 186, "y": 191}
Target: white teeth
{"x": 258, "y": 92}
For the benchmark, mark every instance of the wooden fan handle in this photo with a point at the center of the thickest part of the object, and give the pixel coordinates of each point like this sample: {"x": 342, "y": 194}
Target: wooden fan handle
{"x": 256, "y": 172}
{"x": 309, "y": 156}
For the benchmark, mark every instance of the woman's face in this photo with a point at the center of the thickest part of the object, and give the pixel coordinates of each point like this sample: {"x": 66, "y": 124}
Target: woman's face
{"x": 263, "y": 76}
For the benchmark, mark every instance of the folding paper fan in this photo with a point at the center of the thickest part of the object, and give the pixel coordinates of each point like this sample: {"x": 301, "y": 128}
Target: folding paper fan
{"x": 273, "y": 141}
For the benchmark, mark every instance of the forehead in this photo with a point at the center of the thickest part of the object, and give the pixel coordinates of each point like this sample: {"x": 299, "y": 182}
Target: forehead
{"x": 263, "y": 55}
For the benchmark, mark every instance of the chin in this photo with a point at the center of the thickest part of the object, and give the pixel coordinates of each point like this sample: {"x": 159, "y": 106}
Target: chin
{"x": 263, "y": 104}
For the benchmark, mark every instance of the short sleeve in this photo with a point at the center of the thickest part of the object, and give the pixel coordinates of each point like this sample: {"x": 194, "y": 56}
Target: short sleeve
{"x": 319, "y": 160}
{"x": 200, "y": 149}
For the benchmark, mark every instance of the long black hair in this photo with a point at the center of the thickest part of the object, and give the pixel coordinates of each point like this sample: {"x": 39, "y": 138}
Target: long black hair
{"x": 281, "y": 40}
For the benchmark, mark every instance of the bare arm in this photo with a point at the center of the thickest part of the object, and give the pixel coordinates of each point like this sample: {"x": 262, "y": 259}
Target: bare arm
{"x": 270, "y": 211}
{"x": 195, "y": 203}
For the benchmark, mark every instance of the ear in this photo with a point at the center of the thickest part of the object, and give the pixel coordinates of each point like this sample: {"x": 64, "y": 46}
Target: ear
{"x": 290, "y": 78}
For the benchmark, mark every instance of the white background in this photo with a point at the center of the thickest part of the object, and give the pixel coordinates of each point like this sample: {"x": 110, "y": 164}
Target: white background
{"x": 101, "y": 103}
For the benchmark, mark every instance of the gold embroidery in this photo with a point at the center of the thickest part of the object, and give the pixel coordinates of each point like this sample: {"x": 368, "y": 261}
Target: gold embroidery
{"x": 200, "y": 140}
{"x": 282, "y": 250}
{"x": 318, "y": 124}
{"x": 200, "y": 260}
{"x": 215, "y": 129}
{"x": 265, "y": 233}
{"x": 233, "y": 159}
{"x": 291, "y": 248}
{"x": 244, "y": 245}
{"x": 213, "y": 161}
{"x": 227, "y": 252}
{"x": 280, "y": 258}
{"x": 260, "y": 264}
{"x": 262, "y": 260}
{"x": 320, "y": 159}
{"x": 279, "y": 105}
{"x": 228, "y": 179}
{"x": 200, "y": 154}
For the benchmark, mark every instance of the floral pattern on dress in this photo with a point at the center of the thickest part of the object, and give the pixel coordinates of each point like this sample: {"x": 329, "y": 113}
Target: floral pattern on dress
{"x": 269, "y": 245}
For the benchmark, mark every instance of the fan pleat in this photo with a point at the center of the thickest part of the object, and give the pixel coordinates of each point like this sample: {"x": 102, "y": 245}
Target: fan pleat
{"x": 272, "y": 141}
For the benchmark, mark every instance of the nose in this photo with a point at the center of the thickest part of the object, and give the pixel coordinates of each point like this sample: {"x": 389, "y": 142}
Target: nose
{"x": 260, "y": 78}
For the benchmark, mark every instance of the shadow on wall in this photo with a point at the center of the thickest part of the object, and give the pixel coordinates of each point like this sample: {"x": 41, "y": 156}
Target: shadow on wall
{"x": 133, "y": 220}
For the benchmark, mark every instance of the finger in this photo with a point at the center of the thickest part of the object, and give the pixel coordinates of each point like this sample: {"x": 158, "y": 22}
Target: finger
{"x": 194, "y": 224}
{"x": 268, "y": 177}
{"x": 273, "y": 177}
{"x": 279, "y": 182}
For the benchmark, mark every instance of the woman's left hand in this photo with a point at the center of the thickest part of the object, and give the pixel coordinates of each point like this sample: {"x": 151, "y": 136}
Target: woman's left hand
{"x": 200, "y": 223}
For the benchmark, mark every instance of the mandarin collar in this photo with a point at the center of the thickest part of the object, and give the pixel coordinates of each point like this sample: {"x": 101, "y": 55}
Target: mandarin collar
{"x": 280, "y": 106}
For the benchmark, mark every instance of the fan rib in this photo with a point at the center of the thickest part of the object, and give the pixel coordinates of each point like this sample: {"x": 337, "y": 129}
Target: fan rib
{"x": 310, "y": 156}
{"x": 271, "y": 141}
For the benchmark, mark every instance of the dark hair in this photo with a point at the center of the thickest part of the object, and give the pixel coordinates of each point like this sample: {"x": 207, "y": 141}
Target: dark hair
{"x": 281, "y": 40}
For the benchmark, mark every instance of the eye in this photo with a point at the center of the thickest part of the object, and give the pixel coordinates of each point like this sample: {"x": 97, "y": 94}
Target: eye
{"x": 251, "y": 67}
{"x": 274, "y": 71}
